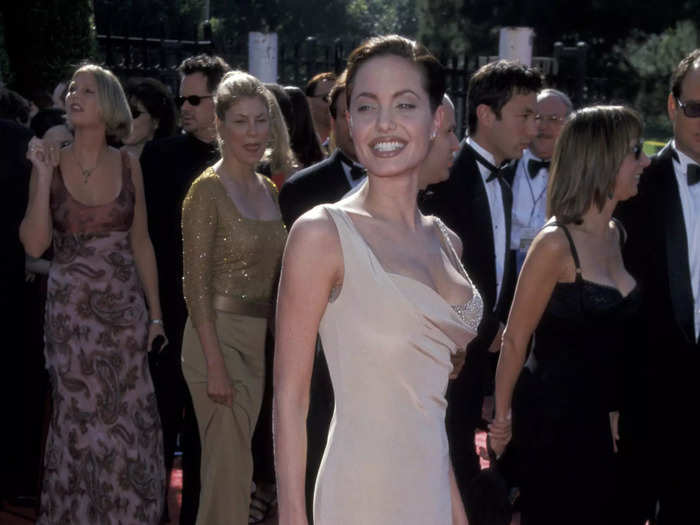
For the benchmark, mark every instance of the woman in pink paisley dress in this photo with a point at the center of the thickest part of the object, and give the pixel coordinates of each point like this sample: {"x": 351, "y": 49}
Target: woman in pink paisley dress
{"x": 104, "y": 453}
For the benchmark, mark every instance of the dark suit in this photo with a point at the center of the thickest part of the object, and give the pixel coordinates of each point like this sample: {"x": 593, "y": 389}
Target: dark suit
{"x": 461, "y": 202}
{"x": 661, "y": 392}
{"x": 169, "y": 167}
{"x": 324, "y": 182}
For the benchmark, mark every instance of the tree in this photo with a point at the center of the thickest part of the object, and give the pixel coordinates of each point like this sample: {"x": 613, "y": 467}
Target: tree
{"x": 45, "y": 40}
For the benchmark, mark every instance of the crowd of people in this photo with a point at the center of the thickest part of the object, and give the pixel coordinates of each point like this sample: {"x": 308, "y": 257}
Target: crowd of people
{"x": 330, "y": 267}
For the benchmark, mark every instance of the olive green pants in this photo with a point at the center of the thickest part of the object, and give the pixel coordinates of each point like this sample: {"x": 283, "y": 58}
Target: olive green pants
{"x": 226, "y": 433}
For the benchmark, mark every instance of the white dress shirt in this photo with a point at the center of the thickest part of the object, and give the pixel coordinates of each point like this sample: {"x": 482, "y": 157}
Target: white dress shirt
{"x": 494, "y": 193}
{"x": 529, "y": 201}
{"x": 690, "y": 202}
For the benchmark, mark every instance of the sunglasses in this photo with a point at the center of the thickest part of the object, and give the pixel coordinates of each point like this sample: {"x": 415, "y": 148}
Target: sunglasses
{"x": 194, "y": 100}
{"x": 135, "y": 113}
{"x": 690, "y": 109}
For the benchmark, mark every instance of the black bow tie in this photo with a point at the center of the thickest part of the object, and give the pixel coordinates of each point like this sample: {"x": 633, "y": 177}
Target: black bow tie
{"x": 692, "y": 172}
{"x": 356, "y": 170}
{"x": 534, "y": 166}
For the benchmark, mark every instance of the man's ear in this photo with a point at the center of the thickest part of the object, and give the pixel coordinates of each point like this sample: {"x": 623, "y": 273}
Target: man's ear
{"x": 485, "y": 115}
{"x": 438, "y": 119}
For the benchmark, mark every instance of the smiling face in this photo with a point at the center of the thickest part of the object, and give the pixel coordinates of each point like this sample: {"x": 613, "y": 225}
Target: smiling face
{"x": 686, "y": 130}
{"x": 436, "y": 167}
{"x": 390, "y": 117}
{"x": 143, "y": 127}
{"x": 245, "y": 130}
{"x": 197, "y": 120}
{"x": 627, "y": 178}
{"x": 82, "y": 102}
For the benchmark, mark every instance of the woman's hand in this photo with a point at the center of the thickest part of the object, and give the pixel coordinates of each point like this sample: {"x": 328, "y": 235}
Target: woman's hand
{"x": 154, "y": 330}
{"x": 219, "y": 387}
{"x": 44, "y": 156}
{"x": 614, "y": 430}
{"x": 500, "y": 433}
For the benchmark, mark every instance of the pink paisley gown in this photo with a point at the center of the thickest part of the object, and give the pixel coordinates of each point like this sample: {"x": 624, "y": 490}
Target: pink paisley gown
{"x": 104, "y": 453}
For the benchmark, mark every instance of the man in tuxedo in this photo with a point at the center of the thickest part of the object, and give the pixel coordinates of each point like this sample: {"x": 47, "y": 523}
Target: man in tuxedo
{"x": 476, "y": 203}
{"x": 330, "y": 179}
{"x": 529, "y": 175}
{"x": 169, "y": 167}
{"x": 661, "y": 460}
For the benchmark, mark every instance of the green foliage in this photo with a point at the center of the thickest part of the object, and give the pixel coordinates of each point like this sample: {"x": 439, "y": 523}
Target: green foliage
{"x": 377, "y": 17}
{"x": 653, "y": 57}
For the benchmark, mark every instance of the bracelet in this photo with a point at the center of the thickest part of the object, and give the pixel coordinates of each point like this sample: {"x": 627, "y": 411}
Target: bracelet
{"x": 156, "y": 321}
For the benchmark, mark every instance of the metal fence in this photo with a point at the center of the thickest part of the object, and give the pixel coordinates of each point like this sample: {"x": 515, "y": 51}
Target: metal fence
{"x": 297, "y": 62}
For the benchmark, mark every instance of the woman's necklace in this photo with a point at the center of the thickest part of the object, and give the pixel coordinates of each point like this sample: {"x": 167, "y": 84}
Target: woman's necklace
{"x": 85, "y": 171}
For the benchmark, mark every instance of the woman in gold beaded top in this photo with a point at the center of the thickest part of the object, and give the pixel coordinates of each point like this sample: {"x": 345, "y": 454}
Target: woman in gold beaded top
{"x": 233, "y": 239}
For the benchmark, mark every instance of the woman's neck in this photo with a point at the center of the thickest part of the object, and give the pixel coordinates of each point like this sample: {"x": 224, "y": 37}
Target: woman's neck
{"x": 239, "y": 173}
{"x": 89, "y": 143}
{"x": 393, "y": 198}
{"x": 596, "y": 221}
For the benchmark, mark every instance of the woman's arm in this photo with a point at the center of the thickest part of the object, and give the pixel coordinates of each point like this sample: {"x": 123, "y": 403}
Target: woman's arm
{"x": 311, "y": 267}
{"x": 36, "y": 228}
{"x": 546, "y": 262}
{"x": 144, "y": 256}
{"x": 459, "y": 514}
{"x": 199, "y": 224}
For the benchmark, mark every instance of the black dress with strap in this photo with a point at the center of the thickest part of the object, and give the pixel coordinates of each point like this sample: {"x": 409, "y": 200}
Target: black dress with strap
{"x": 562, "y": 400}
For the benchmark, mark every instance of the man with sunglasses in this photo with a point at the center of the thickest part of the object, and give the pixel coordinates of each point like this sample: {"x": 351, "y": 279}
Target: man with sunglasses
{"x": 169, "y": 167}
{"x": 661, "y": 459}
{"x": 528, "y": 177}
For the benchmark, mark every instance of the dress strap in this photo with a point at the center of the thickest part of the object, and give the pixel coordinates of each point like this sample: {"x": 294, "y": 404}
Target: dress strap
{"x": 450, "y": 249}
{"x": 574, "y": 253}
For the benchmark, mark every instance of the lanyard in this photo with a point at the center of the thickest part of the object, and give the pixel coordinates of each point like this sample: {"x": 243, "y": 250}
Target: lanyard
{"x": 532, "y": 196}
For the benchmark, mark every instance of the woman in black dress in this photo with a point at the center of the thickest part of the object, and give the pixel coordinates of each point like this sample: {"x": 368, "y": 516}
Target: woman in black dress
{"x": 576, "y": 300}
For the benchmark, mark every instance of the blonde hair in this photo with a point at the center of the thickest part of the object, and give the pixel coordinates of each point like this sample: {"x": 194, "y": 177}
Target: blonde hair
{"x": 239, "y": 84}
{"x": 111, "y": 99}
{"x": 587, "y": 157}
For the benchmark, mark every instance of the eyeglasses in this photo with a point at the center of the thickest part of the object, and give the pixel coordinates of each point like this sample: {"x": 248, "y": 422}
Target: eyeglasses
{"x": 690, "y": 109}
{"x": 552, "y": 119}
{"x": 135, "y": 113}
{"x": 194, "y": 100}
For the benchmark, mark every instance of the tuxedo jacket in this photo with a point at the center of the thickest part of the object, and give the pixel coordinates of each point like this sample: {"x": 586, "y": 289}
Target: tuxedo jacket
{"x": 461, "y": 202}
{"x": 666, "y": 356}
{"x": 321, "y": 183}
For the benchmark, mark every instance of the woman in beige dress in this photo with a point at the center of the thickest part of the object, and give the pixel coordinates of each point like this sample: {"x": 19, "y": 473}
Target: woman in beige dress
{"x": 233, "y": 237}
{"x": 384, "y": 287}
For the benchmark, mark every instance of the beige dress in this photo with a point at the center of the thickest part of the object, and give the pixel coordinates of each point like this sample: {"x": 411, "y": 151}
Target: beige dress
{"x": 388, "y": 340}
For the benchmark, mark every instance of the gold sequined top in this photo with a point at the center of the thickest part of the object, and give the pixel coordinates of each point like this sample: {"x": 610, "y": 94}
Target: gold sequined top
{"x": 225, "y": 253}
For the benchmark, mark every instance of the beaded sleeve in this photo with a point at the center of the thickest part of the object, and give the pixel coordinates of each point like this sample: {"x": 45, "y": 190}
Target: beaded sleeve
{"x": 199, "y": 223}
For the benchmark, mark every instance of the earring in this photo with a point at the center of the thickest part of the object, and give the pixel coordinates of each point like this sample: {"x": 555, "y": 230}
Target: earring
{"x": 610, "y": 195}
{"x": 433, "y": 134}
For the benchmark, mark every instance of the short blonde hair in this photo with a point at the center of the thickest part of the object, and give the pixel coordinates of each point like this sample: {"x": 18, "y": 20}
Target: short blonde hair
{"x": 239, "y": 84}
{"x": 111, "y": 99}
{"x": 587, "y": 157}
